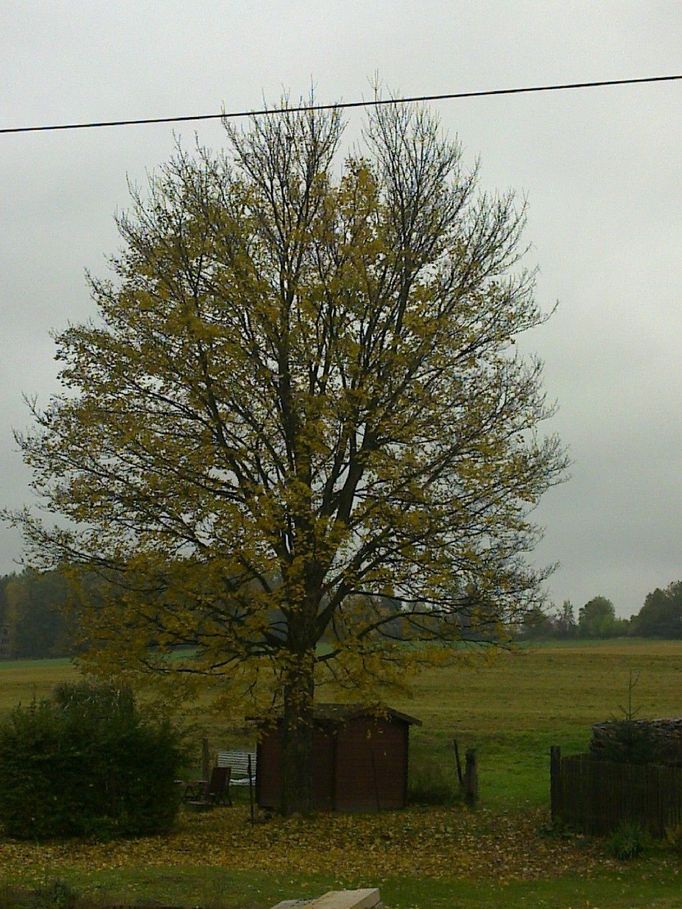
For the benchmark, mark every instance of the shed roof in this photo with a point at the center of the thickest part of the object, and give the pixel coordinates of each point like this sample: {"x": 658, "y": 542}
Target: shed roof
{"x": 338, "y": 714}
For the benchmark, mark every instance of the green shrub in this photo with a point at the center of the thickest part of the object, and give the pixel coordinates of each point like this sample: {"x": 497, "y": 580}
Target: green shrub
{"x": 629, "y": 741}
{"x": 87, "y": 764}
{"x": 627, "y": 841}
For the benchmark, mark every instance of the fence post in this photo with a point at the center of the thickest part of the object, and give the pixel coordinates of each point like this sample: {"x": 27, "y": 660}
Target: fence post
{"x": 205, "y": 760}
{"x": 470, "y": 778}
{"x": 554, "y": 783}
{"x": 249, "y": 770}
{"x": 458, "y": 763}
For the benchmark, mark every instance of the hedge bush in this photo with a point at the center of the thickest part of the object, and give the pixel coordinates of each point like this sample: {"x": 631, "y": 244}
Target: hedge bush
{"x": 86, "y": 763}
{"x": 625, "y": 741}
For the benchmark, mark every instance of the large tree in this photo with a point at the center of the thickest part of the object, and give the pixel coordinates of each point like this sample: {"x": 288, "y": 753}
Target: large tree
{"x": 300, "y": 417}
{"x": 597, "y": 619}
{"x": 661, "y": 614}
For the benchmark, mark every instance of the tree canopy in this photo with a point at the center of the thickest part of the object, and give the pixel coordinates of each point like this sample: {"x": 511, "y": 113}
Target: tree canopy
{"x": 300, "y": 415}
{"x": 661, "y": 614}
{"x": 597, "y": 619}
{"x": 32, "y": 615}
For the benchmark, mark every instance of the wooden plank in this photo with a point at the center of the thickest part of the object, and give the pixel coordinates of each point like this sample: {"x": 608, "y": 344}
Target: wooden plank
{"x": 237, "y": 760}
{"x": 291, "y": 904}
{"x": 348, "y": 899}
{"x": 338, "y": 899}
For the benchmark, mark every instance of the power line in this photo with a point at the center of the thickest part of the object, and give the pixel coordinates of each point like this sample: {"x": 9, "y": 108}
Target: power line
{"x": 229, "y": 115}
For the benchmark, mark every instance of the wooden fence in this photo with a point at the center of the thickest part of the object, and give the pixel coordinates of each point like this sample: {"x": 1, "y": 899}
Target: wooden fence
{"x": 596, "y": 796}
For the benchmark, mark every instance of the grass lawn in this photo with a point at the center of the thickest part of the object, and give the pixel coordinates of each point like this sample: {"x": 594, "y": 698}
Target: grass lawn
{"x": 23, "y": 680}
{"x": 501, "y": 855}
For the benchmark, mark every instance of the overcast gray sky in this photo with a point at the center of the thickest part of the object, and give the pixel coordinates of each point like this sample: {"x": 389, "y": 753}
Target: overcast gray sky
{"x": 600, "y": 169}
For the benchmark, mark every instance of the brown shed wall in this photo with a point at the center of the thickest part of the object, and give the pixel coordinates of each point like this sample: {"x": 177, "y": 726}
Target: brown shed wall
{"x": 269, "y": 774}
{"x": 371, "y": 765}
{"x": 358, "y": 766}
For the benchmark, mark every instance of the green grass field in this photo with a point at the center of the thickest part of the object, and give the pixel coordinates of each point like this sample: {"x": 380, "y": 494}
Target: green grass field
{"x": 511, "y": 709}
{"x": 23, "y": 680}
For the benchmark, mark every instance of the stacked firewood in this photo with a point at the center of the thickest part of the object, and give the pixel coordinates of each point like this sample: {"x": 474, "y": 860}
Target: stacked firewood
{"x": 638, "y": 741}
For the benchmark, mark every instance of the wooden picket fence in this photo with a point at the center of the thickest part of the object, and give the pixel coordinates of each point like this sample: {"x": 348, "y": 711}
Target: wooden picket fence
{"x": 596, "y": 796}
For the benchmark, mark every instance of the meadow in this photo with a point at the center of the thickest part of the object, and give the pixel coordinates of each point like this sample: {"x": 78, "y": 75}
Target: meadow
{"x": 503, "y": 853}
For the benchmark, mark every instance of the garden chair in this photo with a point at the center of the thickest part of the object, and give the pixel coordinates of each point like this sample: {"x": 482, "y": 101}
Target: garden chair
{"x": 211, "y": 792}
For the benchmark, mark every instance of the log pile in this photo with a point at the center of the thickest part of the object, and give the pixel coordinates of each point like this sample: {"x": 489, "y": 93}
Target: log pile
{"x": 638, "y": 741}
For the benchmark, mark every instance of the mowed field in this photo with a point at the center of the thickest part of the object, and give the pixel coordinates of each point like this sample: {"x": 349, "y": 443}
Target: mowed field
{"x": 515, "y": 706}
{"x": 510, "y": 708}
{"x": 22, "y": 681}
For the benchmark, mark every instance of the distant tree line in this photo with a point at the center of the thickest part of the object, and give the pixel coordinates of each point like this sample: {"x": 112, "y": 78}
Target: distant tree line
{"x": 33, "y": 623}
{"x": 661, "y": 614}
{"x": 659, "y": 617}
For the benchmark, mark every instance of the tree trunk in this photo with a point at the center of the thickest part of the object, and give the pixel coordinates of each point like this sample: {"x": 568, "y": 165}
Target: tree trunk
{"x": 297, "y": 737}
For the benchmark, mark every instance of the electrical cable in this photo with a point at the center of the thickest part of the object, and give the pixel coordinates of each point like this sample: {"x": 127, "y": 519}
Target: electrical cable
{"x": 228, "y": 115}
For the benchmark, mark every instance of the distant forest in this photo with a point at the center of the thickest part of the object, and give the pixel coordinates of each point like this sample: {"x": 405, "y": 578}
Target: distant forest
{"x": 34, "y": 622}
{"x": 659, "y": 617}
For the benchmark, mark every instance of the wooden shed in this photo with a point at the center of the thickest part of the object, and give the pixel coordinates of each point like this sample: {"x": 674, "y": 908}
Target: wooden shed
{"x": 359, "y": 759}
